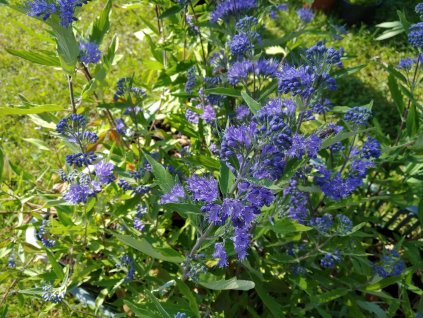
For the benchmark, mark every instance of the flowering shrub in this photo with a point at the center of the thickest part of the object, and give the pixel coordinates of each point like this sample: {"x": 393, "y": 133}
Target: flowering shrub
{"x": 227, "y": 173}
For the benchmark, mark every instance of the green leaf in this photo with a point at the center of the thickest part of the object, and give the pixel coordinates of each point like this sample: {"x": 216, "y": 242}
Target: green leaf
{"x": 158, "y": 305}
{"x": 171, "y": 11}
{"x": 140, "y": 311}
{"x": 1, "y": 162}
{"x": 383, "y": 283}
{"x": 396, "y": 93}
{"x": 232, "y": 283}
{"x": 389, "y": 25}
{"x": 286, "y": 226}
{"x": 270, "y": 302}
{"x": 225, "y": 91}
{"x": 330, "y": 295}
{"x": 252, "y": 104}
{"x": 189, "y": 296}
{"x": 55, "y": 265}
{"x": 37, "y": 57}
{"x": 142, "y": 245}
{"x": 101, "y": 25}
{"x": 373, "y": 308}
{"x": 389, "y": 34}
{"x": 227, "y": 178}
{"x": 164, "y": 178}
{"x": 348, "y": 71}
{"x": 341, "y": 136}
{"x": 37, "y": 142}
{"x": 67, "y": 47}
{"x": 35, "y": 109}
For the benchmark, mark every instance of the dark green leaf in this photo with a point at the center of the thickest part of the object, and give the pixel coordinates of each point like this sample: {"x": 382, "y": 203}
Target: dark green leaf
{"x": 225, "y": 91}
{"x": 286, "y": 226}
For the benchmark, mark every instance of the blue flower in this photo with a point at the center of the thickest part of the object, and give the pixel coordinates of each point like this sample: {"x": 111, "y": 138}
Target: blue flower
{"x": 322, "y": 58}
{"x": 191, "y": 80}
{"x": 41, "y": 8}
{"x": 358, "y": 115}
{"x": 246, "y": 24}
{"x": 230, "y": 8}
{"x": 174, "y": 195}
{"x": 297, "y": 207}
{"x": 138, "y": 224}
{"x": 120, "y": 126}
{"x": 371, "y": 149}
{"x": 345, "y": 225}
{"x": 81, "y": 159}
{"x": 192, "y": 116}
{"x": 242, "y": 112}
{"x": 11, "y": 262}
{"x": 297, "y": 81}
{"x": 220, "y": 253}
{"x": 322, "y": 224}
{"x": 237, "y": 140}
{"x": 390, "y": 264}
{"x": 240, "y": 44}
{"x": 419, "y": 9}
{"x": 77, "y": 194}
{"x": 322, "y": 108}
{"x": 415, "y": 35}
{"x": 328, "y": 261}
{"x": 239, "y": 71}
{"x": 89, "y": 52}
{"x": 241, "y": 240}
{"x": 54, "y": 295}
{"x": 104, "y": 172}
{"x": 406, "y": 63}
{"x": 203, "y": 188}
{"x": 306, "y": 15}
{"x": 209, "y": 114}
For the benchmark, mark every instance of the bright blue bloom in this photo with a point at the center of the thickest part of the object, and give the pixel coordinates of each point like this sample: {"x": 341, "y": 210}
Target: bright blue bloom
{"x": 192, "y": 116}
{"x": 320, "y": 108}
{"x": 11, "y": 262}
{"x": 240, "y": 44}
{"x": 203, "y": 188}
{"x": 306, "y": 15}
{"x": 77, "y": 194}
{"x": 209, "y": 114}
{"x": 328, "y": 261}
{"x": 81, "y": 159}
{"x": 300, "y": 145}
{"x": 89, "y": 52}
{"x": 358, "y": 115}
{"x": 246, "y": 24}
{"x": 174, "y": 195}
{"x": 259, "y": 196}
{"x": 71, "y": 123}
{"x": 360, "y": 167}
{"x": 67, "y": 10}
{"x": 52, "y": 295}
{"x": 104, "y": 172}
{"x": 390, "y": 264}
{"x": 371, "y": 149}
{"x": 242, "y": 112}
{"x": 138, "y": 224}
{"x": 419, "y": 9}
{"x": 214, "y": 213}
{"x": 230, "y": 8}
{"x": 322, "y": 224}
{"x": 41, "y": 8}
{"x": 124, "y": 86}
{"x": 120, "y": 126}
{"x": 415, "y": 35}
{"x": 220, "y": 253}
{"x": 141, "y": 189}
{"x": 128, "y": 262}
{"x": 297, "y": 81}
{"x": 345, "y": 225}
{"x": 239, "y": 71}
{"x": 322, "y": 58}
{"x": 406, "y": 63}
{"x": 124, "y": 185}
{"x": 191, "y": 80}
{"x": 265, "y": 67}
{"x": 237, "y": 140}
{"x": 297, "y": 207}
{"x": 241, "y": 240}
{"x": 42, "y": 235}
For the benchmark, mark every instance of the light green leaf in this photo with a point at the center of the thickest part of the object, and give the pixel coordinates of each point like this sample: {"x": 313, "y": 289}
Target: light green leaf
{"x": 232, "y": 283}
{"x": 67, "y": 47}
{"x": 227, "y": 178}
{"x": 35, "y": 109}
{"x": 37, "y": 57}
{"x": 286, "y": 226}
{"x": 164, "y": 178}
{"x": 330, "y": 295}
{"x": 252, "y": 104}
{"x": 101, "y": 25}
{"x": 1, "y": 162}
{"x": 37, "y": 142}
{"x": 142, "y": 245}
{"x": 55, "y": 265}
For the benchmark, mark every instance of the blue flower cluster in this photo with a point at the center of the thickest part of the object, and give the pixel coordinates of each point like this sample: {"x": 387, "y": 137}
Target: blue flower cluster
{"x": 415, "y": 35}
{"x": 390, "y": 264}
{"x": 306, "y": 15}
{"x": 138, "y": 223}
{"x": 43, "y": 235}
{"x": 89, "y": 52}
{"x": 124, "y": 88}
{"x": 127, "y": 262}
{"x": 65, "y": 9}
{"x": 135, "y": 183}
{"x": 83, "y": 185}
{"x": 229, "y": 8}
{"x": 53, "y": 295}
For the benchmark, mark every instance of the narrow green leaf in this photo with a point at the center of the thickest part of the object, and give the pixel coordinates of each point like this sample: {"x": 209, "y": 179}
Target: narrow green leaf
{"x": 270, "y": 302}
{"x": 395, "y": 93}
{"x": 383, "y": 283}
{"x": 101, "y": 25}
{"x": 252, "y": 104}
{"x": 373, "y": 308}
{"x": 225, "y": 91}
{"x": 36, "y": 109}
{"x": 158, "y": 305}
{"x": 331, "y": 295}
{"x": 37, "y": 57}
{"x": 188, "y": 294}
{"x": 227, "y": 178}
{"x": 232, "y": 283}
{"x": 341, "y": 136}
{"x": 171, "y": 11}
{"x": 37, "y": 142}
{"x": 142, "y": 245}
{"x": 164, "y": 178}
{"x": 1, "y": 162}
{"x": 389, "y": 25}
{"x": 55, "y": 265}
{"x": 140, "y": 311}
{"x": 389, "y": 34}
{"x": 411, "y": 121}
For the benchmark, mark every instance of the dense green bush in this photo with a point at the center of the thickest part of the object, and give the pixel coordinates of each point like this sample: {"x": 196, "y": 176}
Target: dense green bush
{"x": 218, "y": 179}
